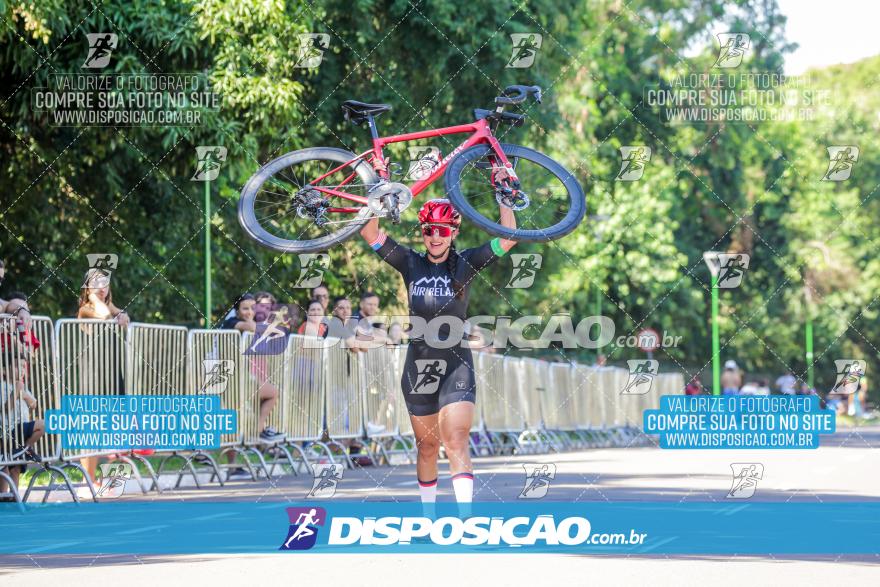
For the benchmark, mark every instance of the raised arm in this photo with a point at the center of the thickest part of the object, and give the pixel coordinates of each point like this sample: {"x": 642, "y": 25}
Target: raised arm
{"x": 370, "y": 230}
{"x": 508, "y": 220}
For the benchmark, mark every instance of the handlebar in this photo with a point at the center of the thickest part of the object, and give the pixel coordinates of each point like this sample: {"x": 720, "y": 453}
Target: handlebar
{"x": 517, "y": 95}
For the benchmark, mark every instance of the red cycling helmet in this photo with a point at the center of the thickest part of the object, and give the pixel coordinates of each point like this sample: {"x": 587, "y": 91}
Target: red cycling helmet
{"x": 439, "y": 211}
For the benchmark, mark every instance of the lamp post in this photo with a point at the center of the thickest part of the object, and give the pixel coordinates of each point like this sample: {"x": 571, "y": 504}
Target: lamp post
{"x": 598, "y": 231}
{"x": 713, "y": 262}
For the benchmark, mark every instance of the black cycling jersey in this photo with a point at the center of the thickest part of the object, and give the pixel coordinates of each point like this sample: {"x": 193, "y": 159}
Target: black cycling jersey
{"x": 429, "y": 284}
{"x": 436, "y": 377}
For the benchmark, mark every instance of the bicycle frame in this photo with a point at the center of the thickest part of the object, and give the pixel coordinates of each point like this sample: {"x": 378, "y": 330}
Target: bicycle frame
{"x": 480, "y": 133}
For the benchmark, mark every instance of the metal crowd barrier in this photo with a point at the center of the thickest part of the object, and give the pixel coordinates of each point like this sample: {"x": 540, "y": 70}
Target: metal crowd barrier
{"x": 326, "y": 397}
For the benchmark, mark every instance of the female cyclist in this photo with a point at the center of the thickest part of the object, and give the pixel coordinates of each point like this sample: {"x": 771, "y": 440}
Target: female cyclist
{"x": 438, "y": 384}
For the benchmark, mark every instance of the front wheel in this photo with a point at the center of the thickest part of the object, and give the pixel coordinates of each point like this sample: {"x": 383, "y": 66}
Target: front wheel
{"x": 548, "y": 202}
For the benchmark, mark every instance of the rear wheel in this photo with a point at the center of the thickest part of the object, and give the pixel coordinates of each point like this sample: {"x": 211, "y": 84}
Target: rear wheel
{"x": 280, "y": 209}
{"x": 548, "y": 202}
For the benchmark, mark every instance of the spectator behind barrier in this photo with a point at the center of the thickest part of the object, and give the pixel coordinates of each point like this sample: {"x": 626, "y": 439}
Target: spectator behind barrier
{"x": 17, "y": 406}
{"x": 731, "y": 378}
{"x": 315, "y": 325}
{"x": 15, "y": 305}
{"x": 322, "y": 295}
{"x": 96, "y": 302}
{"x": 244, "y": 320}
{"x": 694, "y": 386}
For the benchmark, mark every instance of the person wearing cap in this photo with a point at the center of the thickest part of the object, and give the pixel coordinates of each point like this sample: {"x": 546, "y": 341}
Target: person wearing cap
{"x": 731, "y": 378}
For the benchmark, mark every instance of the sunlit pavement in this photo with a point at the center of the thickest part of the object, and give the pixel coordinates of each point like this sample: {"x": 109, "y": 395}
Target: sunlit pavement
{"x": 843, "y": 469}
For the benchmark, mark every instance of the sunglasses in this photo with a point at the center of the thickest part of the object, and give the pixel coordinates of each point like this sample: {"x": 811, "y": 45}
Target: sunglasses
{"x": 442, "y": 230}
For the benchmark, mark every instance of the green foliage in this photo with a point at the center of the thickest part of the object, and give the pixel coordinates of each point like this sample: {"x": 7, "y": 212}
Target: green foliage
{"x": 753, "y": 188}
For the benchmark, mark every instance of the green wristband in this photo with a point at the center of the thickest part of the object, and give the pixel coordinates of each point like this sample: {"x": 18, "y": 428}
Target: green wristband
{"x": 497, "y": 248}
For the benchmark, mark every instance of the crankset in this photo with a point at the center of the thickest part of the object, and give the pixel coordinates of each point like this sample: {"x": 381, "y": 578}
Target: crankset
{"x": 389, "y": 199}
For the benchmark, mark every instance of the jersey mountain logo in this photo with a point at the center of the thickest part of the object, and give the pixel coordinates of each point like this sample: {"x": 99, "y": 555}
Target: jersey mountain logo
{"x": 101, "y": 46}
{"x": 538, "y": 478}
{"x": 745, "y": 479}
{"x": 303, "y": 531}
{"x": 432, "y": 286}
{"x": 429, "y": 373}
{"x": 327, "y": 477}
{"x": 641, "y": 376}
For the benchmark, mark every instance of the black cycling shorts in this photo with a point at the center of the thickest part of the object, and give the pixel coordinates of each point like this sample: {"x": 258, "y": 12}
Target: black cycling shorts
{"x": 433, "y": 378}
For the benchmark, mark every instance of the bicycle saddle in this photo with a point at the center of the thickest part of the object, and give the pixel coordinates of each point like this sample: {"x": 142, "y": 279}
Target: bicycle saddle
{"x": 358, "y": 112}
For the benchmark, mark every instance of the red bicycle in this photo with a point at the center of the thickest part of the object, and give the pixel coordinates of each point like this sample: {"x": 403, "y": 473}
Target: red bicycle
{"x": 308, "y": 200}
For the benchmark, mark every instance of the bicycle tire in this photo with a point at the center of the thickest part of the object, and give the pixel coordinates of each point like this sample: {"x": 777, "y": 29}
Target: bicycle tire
{"x": 574, "y": 216}
{"x": 247, "y": 216}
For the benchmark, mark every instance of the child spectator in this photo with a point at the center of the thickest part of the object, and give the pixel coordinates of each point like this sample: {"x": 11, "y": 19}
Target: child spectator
{"x": 19, "y": 428}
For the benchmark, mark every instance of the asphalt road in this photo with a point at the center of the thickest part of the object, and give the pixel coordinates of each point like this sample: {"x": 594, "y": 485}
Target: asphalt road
{"x": 843, "y": 469}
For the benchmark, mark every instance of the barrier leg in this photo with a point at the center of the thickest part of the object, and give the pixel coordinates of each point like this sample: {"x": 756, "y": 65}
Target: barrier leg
{"x": 303, "y": 457}
{"x": 154, "y": 479}
{"x": 78, "y": 467}
{"x": 46, "y": 469}
{"x": 262, "y": 463}
{"x": 347, "y": 460}
{"x": 13, "y": 489}
{"x": 280, "y": 458}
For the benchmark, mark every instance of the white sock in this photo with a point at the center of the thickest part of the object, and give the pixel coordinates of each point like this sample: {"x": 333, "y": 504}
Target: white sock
{"x": 463, "y": 485}
{"x": 428, "y": 491}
